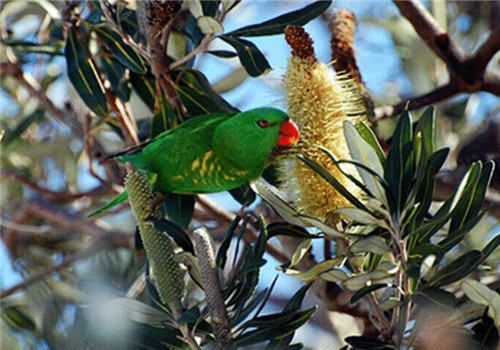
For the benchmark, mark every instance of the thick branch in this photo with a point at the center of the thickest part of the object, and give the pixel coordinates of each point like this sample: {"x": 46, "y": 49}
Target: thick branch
{"x": 429, "y": 98}
{"x": 487, "y": 50}
{"x": 430, "y": 31}
{"x": 62, "y": 196}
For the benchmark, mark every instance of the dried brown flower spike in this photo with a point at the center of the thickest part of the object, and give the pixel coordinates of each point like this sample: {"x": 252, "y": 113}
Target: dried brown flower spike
{"x": 300, "y": 42}
{"x": 318, "y": 101}
{"x": 342, "y": 25}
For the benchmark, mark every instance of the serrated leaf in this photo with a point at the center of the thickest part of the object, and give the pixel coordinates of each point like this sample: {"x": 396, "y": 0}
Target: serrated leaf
{"x": 481, "y": 294}
{"x": 121, "y": 51}
{"x": 361, "y": 151}
{"x": 277, "y": 25}
{"x": 82, "y": 73}
{"x": 251, "y": 58}
{"x": 373, "y": 244}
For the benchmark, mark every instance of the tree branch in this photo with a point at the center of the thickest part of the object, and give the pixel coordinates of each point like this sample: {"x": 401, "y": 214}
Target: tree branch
{"x": 434, "y": 96}
{"x": 430, "y": 31}
{"x": 109, "y": 241}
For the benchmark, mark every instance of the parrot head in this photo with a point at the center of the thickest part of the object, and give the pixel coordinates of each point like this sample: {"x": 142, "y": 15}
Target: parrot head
{"x": 250, "y": 138}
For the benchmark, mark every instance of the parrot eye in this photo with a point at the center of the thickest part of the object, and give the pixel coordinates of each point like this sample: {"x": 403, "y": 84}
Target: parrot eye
{"x": 263, "y": 123}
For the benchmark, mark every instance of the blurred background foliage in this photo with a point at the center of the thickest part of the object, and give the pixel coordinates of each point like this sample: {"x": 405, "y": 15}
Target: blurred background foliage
{"x": 57, "y": 125}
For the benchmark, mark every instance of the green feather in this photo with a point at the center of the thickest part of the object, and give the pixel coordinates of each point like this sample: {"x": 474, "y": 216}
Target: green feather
{"x": 210, "y": 153}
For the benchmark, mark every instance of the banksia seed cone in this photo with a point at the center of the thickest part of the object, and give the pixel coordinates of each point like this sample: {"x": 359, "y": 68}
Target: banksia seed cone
{"x": 319, "y": 101}
{"x": 169, "y": 277}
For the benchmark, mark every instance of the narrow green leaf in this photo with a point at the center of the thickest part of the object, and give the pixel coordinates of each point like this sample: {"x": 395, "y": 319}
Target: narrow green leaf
{"x": 364, "y": 153}
{"x": 490, "y": 248}
{"x": 455, "y": 237}
{"x": 144, "y": 85}
{"x": 473, "y": 197}
{"x": 254, "y": 62}
{"x": 434, "y": 298}
{"x": 226, "y": 242}
{"x": 366, "y": 290}
{"x": 276, "y": 330}
{"x": 122, "y": 197}
{"x": 179, "y": 208}
{"x": 222, "y": 53}
{"x": 82, "y": 72}
{"x": 197, "y": 96}
{"x": 333, "y": 181}
{"x": 277, "y": 25}
{"x": 369, "y": 136}
{"x": 398, "y": 160}
{"x": 287, "y": 229}
{"x": 301, "y": 250}
{"x": 457, "y": 269}
{"x": 465, "y": 195}
{"x": 366, "y": 343}
{"x": 243, "y": 194}
{"x": 121, "y": 51}
{"x": 24, "y": 124}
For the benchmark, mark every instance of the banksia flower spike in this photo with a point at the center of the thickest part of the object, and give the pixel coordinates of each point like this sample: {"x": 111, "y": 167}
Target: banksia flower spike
{"x": 319, "y": 101}
{"x": 168, "y": 276}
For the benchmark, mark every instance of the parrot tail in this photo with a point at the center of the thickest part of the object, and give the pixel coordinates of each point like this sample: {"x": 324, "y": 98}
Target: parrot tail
{"x": 132, "y": 154}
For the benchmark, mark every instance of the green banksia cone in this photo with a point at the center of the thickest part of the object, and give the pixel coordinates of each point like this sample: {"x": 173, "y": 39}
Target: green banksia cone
{"x": 169, "y": 277}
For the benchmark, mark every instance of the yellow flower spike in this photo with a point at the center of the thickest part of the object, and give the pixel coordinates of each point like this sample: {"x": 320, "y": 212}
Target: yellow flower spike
{"x": 319, "y": 101}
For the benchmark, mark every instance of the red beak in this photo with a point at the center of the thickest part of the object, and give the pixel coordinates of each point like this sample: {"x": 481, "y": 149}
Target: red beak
{"x": 289, "y": 134}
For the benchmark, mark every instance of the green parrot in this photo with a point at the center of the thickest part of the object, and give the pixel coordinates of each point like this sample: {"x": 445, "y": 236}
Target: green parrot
{"x": 213, "y": 152}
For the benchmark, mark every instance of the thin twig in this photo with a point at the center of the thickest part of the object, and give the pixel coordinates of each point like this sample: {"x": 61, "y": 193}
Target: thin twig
{"x": 63, "y": 195}
{"x": 202, "y": 46}
{"x": 110, "y": 240}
